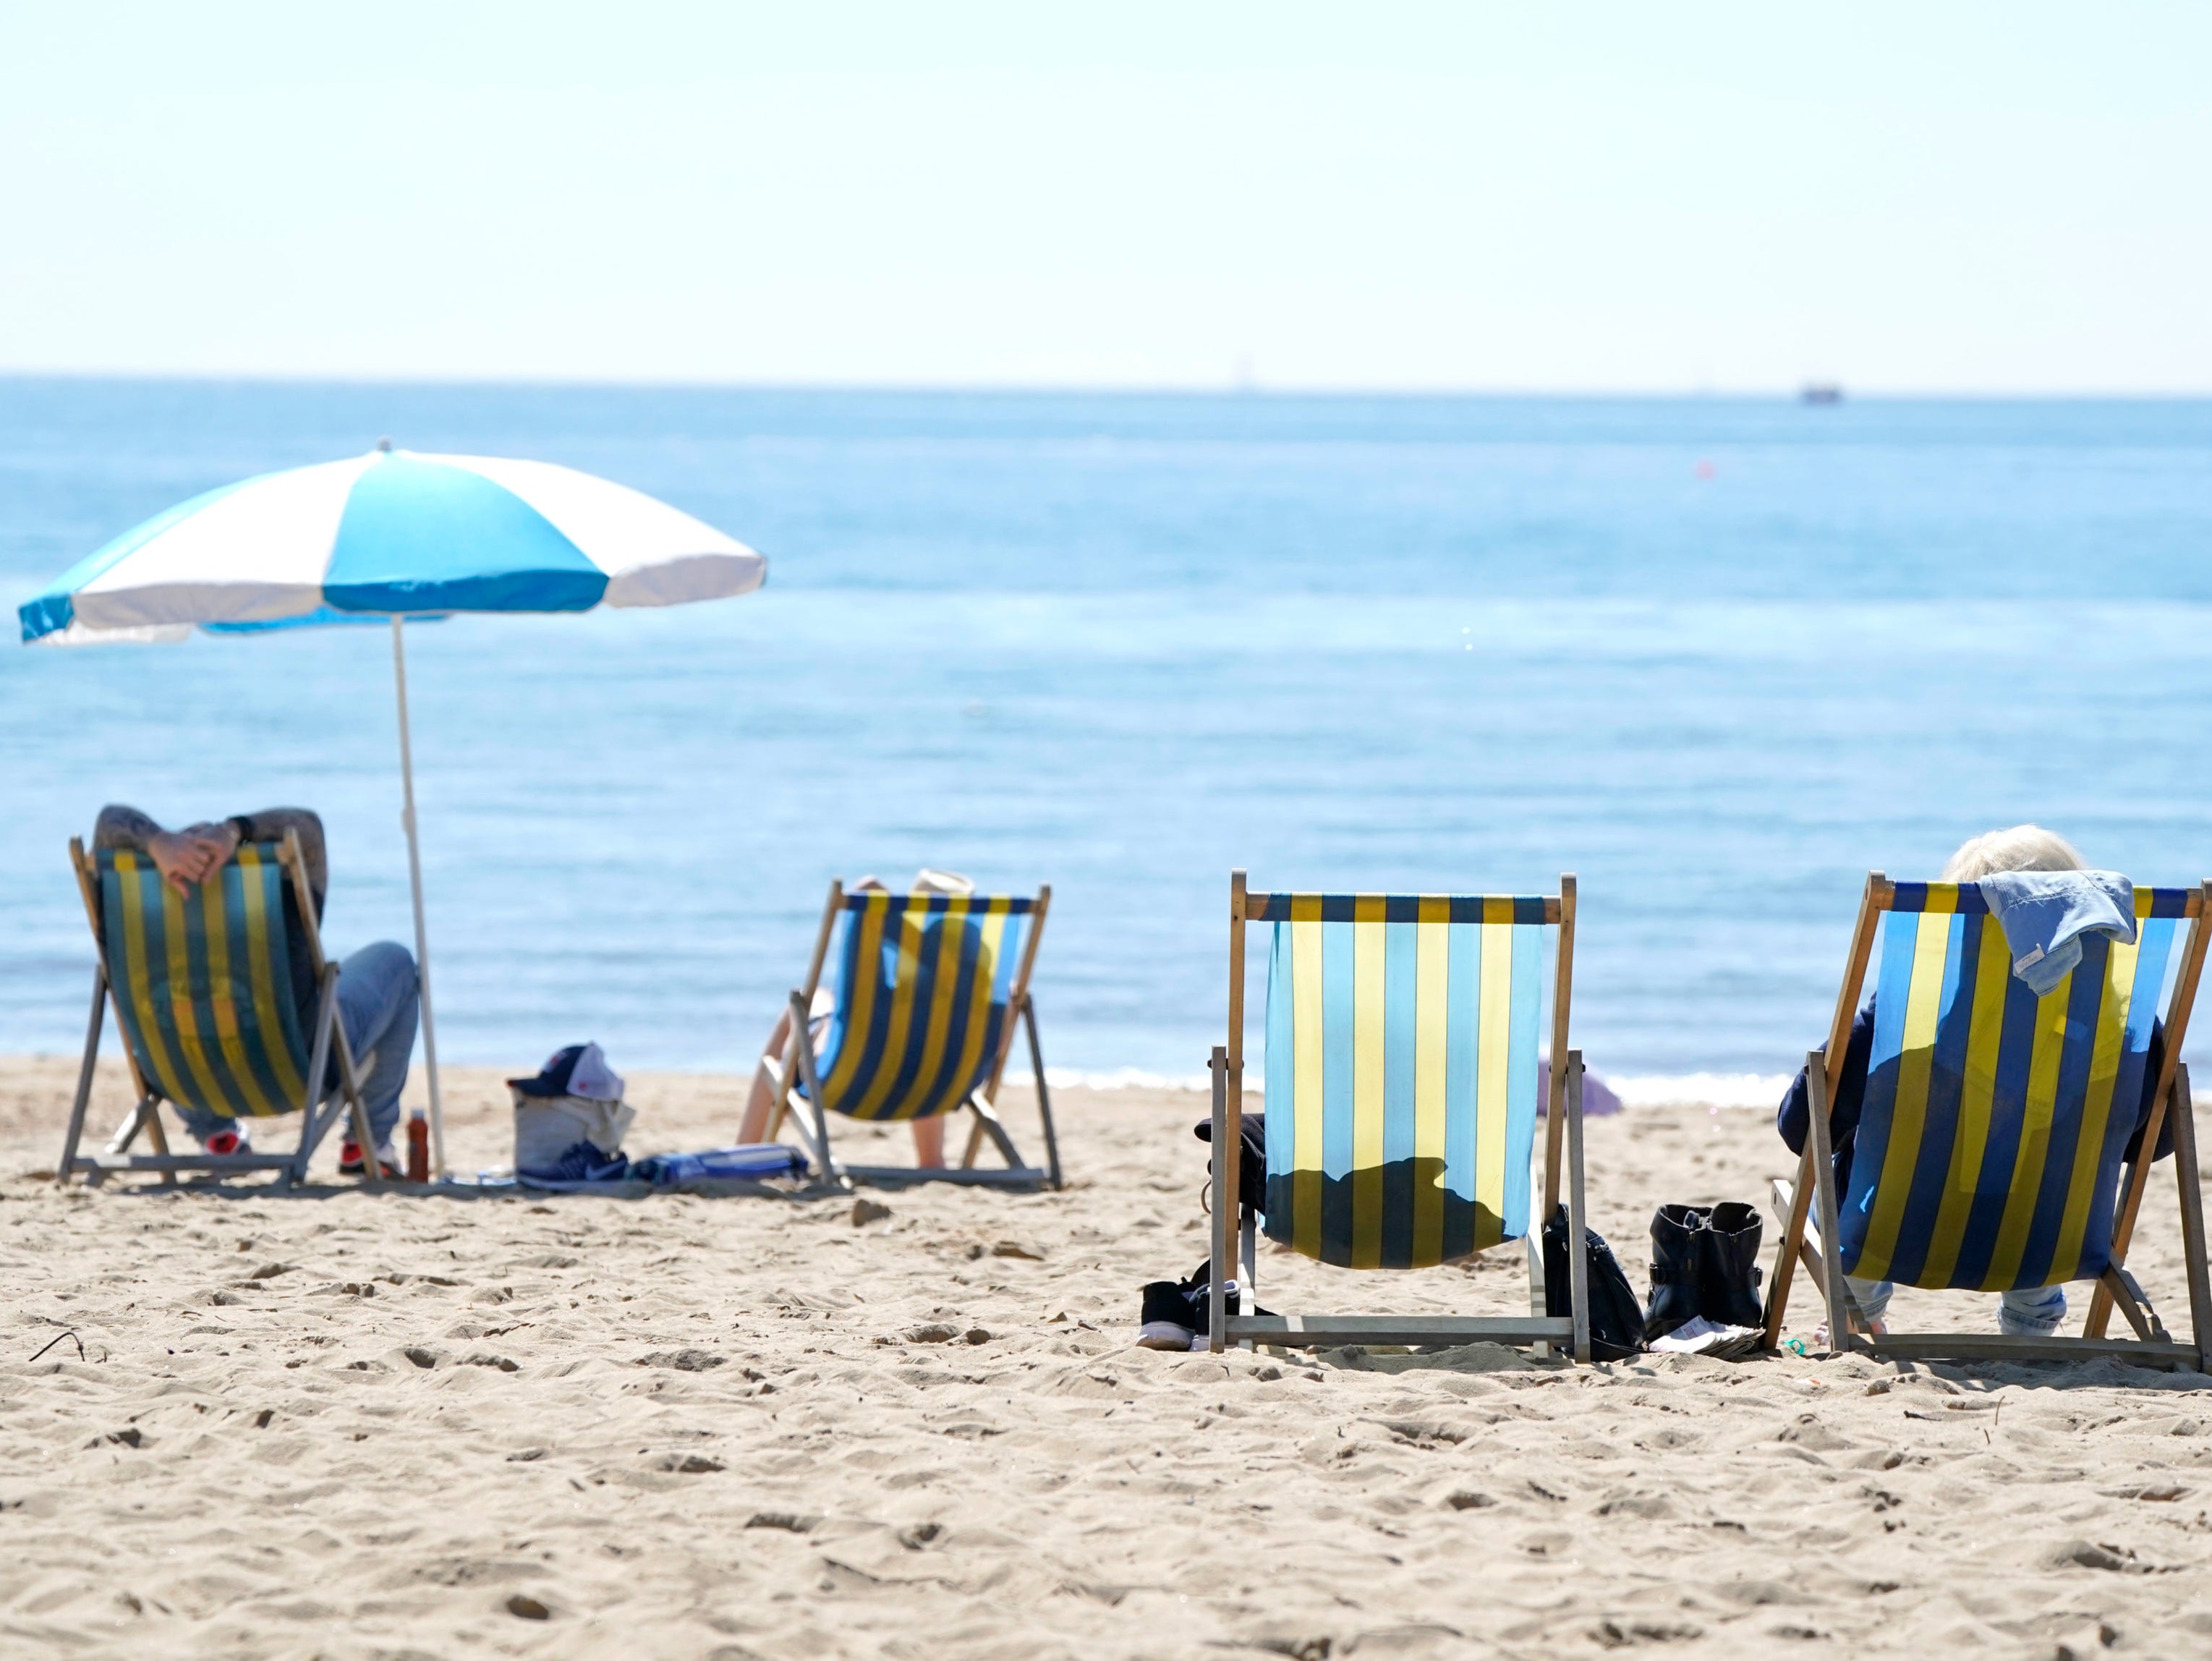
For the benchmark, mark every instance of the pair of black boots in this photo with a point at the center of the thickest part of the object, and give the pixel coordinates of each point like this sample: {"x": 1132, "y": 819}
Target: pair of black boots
{"x": 1176, "y": 1314}
{"x": 1705, "y": 1261}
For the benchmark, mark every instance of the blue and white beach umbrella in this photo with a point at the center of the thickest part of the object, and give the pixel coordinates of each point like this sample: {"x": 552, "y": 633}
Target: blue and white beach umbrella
{"x": 391, "y": 535}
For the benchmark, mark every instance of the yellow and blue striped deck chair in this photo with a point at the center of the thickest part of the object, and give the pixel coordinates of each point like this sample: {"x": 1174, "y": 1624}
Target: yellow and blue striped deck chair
{"x": 1991, "y": 1150}
{"x": 930, "y": 989}
{"x": 1401, "y": 1071}
{"x": 204, "y": 994}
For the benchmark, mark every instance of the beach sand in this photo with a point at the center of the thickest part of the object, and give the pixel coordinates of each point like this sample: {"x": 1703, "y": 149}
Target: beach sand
{"x": 343, "y": 1425}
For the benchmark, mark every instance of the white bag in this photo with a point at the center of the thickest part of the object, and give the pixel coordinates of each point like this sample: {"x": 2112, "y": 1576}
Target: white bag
{"x": 546, "y": 1127}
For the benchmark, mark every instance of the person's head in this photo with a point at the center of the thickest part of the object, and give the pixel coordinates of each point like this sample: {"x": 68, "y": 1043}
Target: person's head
{"x": 2022, "y": 848}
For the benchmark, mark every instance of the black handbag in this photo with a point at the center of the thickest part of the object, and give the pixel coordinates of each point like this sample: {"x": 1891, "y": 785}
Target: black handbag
{"x": 1616, "y": 1319}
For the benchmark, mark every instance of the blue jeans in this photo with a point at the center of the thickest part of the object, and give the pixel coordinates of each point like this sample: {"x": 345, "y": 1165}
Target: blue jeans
{"x": 2033, "y": 1313}
{"x": 379, "y": 1001}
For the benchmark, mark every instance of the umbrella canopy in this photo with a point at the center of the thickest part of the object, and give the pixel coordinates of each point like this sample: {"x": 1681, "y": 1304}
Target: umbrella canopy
{"x": 392, "y": 534}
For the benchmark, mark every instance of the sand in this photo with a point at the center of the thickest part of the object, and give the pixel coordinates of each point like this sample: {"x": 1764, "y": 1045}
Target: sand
{"x": 343, "y": 1425}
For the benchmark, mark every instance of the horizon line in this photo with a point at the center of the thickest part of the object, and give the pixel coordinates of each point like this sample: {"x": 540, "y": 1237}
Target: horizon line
{"x": 1256, "y": 390}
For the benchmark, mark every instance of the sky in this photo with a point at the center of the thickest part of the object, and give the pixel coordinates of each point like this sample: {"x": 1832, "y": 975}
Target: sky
{"x": 1968, "y": 197}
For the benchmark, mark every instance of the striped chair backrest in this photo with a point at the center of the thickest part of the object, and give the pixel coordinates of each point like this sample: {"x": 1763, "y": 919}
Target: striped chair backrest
{"x": 924, "y": 982}
{"x": 203, "y": 981}
{"x": 1401, "y": 1072}
{"x": 1990, "y": 1138}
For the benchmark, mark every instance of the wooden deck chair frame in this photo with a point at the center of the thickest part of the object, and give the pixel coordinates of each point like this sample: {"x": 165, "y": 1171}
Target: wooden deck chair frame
{"x": 1235, "y": 1233}
{"x": 1804, "y": 1240}
{"x": 316, "y": 1119}
{"x": 796, "y": 1067}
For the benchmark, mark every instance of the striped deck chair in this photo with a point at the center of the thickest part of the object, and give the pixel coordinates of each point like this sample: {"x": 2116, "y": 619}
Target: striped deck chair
{"x": 1401, "y": 1085}
{"x": 1991, "y": 1139}
{"x": 203, "y": 991}
{"x": 930, "y": 988}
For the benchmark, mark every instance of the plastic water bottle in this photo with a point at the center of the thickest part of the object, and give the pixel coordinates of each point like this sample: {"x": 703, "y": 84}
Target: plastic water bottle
{"x": 418, "y": 1147}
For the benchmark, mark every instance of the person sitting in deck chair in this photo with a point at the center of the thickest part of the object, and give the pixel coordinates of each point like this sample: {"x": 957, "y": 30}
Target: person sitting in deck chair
{"x": 928, "y": 1133}
{"x": 378, "y": 997}
{"x": 2032, "y": 1311}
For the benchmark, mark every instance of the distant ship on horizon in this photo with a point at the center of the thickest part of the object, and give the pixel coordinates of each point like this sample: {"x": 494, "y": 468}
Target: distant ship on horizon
{"x": 1820, "y": 391}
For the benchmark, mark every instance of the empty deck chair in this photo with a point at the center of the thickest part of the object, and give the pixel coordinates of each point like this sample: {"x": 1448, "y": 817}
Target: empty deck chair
{"x": 202, "y": 989}
{"x": 930, "y": 988}
{"x": 1401, "y": 1096}
{"x": 1991, "y": 1141}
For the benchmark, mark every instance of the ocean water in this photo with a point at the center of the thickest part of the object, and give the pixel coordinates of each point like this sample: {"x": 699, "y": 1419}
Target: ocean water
{"x": 1717, "y": 657}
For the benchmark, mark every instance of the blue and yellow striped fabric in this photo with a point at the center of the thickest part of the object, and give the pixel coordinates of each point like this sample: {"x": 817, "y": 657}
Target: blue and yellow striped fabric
{"x": 204, "y": 982}
{"x": 1989, "y": 1141}
{"x": 923, "y": 985}
{"x": 1400, "y": 1073}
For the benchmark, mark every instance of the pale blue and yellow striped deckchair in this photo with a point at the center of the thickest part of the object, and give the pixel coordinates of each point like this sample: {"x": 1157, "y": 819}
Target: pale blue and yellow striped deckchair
{"x": 1401, "y": 1071}
{"x": 203, "y": 993}
{"x": 930, "y": 988}
{"x": 1991, "y": 1150}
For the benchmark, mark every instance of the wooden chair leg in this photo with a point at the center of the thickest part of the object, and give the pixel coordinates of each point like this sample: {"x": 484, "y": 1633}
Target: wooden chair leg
{"x": 786, "y": 1072}
{"x": 1792, "y": 1248}
{"x": 987, "y": 1122}
{"x": 1839, "y": 1300}
{"x": 68, "y": 1165}
{"x": 777, "y": 1106}
{"x": 1578, "y": 1257}
{"x": 315, "y": 1124}
{"x": 2186, "y": 1180}
{"x": 127, "y": 1132}
{"x": 2133, "y": 1185}
{"x": 1539, "y": 1302}
{"x": 803, "y": 1059}
{"x": 1809, "y": 1247}
{"x": 1043, "y": 1093}
{"x": 158, "y": 1133}
{"x": 2117, "y": 1289}
{"x": 1225, "y": 1212}
{"x": 364, "y": 1136}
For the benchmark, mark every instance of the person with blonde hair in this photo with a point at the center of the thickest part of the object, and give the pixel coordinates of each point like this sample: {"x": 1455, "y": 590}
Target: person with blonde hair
{"x": 2034, "y": 1311}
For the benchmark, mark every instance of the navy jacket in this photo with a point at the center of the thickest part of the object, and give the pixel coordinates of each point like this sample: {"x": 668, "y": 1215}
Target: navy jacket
{"x": 1796, "y": 1114}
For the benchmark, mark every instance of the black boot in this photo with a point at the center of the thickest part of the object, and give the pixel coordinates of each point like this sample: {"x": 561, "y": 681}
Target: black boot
{"x": 1728, "y": 1280}
{"x": 1677, "y": 1235}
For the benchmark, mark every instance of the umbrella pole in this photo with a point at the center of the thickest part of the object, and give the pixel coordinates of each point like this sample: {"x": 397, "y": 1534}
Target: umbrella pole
{"x": 415, "y": 880}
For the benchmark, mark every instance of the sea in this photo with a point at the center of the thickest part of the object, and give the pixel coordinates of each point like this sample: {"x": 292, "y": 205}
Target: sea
{"x": 1717, "y": 657}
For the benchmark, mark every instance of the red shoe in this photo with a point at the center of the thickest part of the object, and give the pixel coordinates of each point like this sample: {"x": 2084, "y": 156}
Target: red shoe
{"x": 349, "y": 1161}
{"x": 227, "y": 1142}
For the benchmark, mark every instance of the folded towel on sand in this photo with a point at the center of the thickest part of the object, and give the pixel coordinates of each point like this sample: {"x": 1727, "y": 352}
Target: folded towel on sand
{"x": 2044, "y": 913}
{"x": 751, "y": 1161}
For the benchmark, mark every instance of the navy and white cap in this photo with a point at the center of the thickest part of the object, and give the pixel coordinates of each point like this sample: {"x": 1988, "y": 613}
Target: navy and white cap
{"x": 581, "y": 1069}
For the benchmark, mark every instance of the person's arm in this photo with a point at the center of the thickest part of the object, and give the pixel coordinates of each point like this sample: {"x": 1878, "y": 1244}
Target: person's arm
{"x": 183, "y": 857}
{"x": 269, "y": 824}
{"x": 1794, "y": 1117}
{"x": 2154, "y": 1064}
{"x": 1851, "y": 1086}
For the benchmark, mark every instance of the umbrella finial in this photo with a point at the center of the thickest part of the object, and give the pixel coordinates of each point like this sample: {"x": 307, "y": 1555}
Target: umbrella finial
{"x": 384, "y": 446}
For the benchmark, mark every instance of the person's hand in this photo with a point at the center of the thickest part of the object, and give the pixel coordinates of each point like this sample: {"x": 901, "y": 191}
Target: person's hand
{"x": 192, "y": 854}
